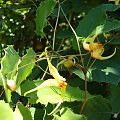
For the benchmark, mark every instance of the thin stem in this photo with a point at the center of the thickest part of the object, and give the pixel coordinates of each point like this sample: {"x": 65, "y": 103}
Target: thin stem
{"x": 58, "y": 105}
{"x": 92, "y": 63}
{"x": 77, "y": 38}
{"x": 88, "y": 62}
{"x": 60, "y": 45}
{"x": 50, "y": 25}
{"x": 58, "y": 14}
{"x": 34, "y": 3}
{"x": 42, "y": 69}
{"x": 1, "y": 93}
{"x": 45, "y": 73}
{"x": 85, "y": 96}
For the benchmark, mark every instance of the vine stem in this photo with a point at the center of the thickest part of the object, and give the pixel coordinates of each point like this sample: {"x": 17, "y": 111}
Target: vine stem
{"x": 1, "y": 93}
{"x": 34, "y": 4}
{"x": 92, "y": 63}
{"x": 58, "y": 14}
{"x": 85, "y": 93}
{"x": 77, "y": 38}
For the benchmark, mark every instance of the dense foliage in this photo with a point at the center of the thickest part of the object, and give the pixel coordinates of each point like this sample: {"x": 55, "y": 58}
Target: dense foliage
{"x": 59, "y": 60}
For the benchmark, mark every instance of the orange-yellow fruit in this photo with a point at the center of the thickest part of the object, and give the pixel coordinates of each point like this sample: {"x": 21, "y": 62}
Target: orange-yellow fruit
{"x": 68, "y": 63}
{"x": 11, "y": 85}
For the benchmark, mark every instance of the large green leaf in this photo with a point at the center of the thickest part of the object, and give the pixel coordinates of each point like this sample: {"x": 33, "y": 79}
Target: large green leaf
{"x": 75, "y": 94}
{"x": 114, "y": 97}
{"x": 52, "y": 95}
{"x": 48, "y": 94}
{"x": 17, "y": 114}
{"x": 97, "y": 108}
{"x": 107, "y": 71}
{"x": 56, "y": 117}
{"x": 22, "y": 113}
{"x": 94, "y": 18}
{"x": 26, "y": 65}
{"x": 6, "y": 112}
{"x": 111, "y": 25}
{"x": 68, "y": 114}
{"x": 91, "y": 24}
{"x": 103, "y": 71}
{"x": 30, "y": 85}
{"x": 9, "y": 63}
{"x": 43, "y": 11}
{"x": 37, "y": 114}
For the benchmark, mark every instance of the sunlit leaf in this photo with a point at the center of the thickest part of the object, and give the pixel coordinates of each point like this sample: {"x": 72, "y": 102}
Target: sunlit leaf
{"x": 24, "y": 111}
{"x": 48, "y": 94}
{"x": 25, "y": 67}
{"x": 17, "y": 114}
{"x": 6, "y": 112}
{"x": 53, "y": 96}
{"x": 30, "y": 85}
{"x": 68, "y": 114}
{"x": 9, "y": 63}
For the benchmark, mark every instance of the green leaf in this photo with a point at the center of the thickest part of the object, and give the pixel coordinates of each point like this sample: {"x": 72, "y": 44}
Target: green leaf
{"x": 48, "y": 94}
{"x": 53, "y": 96}
{"x": 56, "y": 117}
{"x": 30, "y": 85}
{"x": 91, "y": 24}
{"x": 9, "y": 63}
{"x": 75, "y": 94}
{"x": 65, "y": 33}
{"x": 17, "y": 114}
{"x": 80, "y": 74}
{"x": 103, "y": 71}
{"x": 38, "y": 114}
{"x": 107, "y": 71}
{"x": 25, "y": 67}
{"x": 68, "y": 114}
{"x": 90, "y": 21}
{"x": 114, "y": 97}
{"x": 23, "y": 112}
{"x": 97, "y": 108}
{"x": 43, "y": 11}
{"x": 6, "y": 112}
{"x": 108, "y": 26}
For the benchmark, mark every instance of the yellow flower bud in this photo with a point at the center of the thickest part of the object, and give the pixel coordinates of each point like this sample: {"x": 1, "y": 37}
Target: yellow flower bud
{"x": 58, "y": 80}
{"x": 96, "y": 49}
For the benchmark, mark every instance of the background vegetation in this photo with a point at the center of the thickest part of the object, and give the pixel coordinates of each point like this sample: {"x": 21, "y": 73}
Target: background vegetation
{"x": 27, "y": 27}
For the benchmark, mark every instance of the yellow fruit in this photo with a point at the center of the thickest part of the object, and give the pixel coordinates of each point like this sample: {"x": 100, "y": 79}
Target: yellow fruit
{"x": 68, "y": 63}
